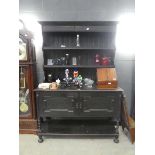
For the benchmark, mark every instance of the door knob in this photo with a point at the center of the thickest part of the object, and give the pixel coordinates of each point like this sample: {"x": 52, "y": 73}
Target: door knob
{"x": 72, "y": 100}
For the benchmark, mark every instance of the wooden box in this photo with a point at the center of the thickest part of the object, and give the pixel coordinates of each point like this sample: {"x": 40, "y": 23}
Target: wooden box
{"x": 106, "y": 78}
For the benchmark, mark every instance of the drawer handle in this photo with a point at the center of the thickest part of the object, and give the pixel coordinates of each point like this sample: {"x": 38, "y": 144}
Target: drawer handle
{"x": 70, "y": 111}
{"x": 72, "y": 100}
{"x": 85, "y": 100}
{"x": 58, "y": 110}
{"x": 91, "y": 110}
{"x": 86, "y": 110}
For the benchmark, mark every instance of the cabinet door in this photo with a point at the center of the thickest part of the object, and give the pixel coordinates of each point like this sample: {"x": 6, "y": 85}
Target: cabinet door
{"x": 25, "y": 98}
{"x": 58, "y": 104}
{"x": 97, "y": 104}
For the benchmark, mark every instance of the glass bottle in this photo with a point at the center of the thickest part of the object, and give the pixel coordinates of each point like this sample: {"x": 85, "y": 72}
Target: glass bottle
{"x": 67, "y": 59}
{"x": 77, "y": 40}
{"x": 97, "y": 59}
{"x": 74, "y": 61}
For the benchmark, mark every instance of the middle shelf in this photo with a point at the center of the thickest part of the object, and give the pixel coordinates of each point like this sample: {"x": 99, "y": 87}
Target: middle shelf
{"x": 46, "y": 48}
{"x": 78, "y": 66}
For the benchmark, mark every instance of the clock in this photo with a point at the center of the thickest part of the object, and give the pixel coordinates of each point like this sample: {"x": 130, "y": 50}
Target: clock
{"x": 22, "y": 50}
{"x": 27, "y": 81}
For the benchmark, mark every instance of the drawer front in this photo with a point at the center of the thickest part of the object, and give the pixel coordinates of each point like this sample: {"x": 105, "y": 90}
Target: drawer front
{"x": 98, "y": 104}
{"x": 58, "y": 104}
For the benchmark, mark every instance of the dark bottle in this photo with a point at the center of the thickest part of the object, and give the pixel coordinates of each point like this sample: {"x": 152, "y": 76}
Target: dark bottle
{"x": 67, "y": 59}
{"x": 49, "y": 78}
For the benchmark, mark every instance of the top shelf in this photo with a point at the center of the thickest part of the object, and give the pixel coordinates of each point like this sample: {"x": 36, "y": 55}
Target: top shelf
{"x": 88, "y": 26}
{"x": 102, "y": 28}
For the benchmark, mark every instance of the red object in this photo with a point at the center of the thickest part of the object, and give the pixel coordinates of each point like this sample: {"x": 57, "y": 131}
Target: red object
{"x": 97, "y": 59}
{"x": 105, "y": 61}
{"x": 75, "y": 74}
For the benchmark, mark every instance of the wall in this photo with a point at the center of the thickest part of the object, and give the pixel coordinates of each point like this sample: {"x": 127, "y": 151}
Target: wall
{"x": 85, "y": 10}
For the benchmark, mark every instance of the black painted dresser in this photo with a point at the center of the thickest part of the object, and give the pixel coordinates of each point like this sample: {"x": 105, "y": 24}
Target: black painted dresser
{"x": 85, "y": 111}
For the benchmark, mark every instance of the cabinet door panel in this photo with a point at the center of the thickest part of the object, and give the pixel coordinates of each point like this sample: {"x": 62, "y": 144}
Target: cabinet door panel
{"x": 58, "y": 104}
{"x": 97, "y": 104}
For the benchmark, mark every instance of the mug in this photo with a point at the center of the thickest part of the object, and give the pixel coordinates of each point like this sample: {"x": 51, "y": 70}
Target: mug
{"x": 105, "y": 61}
{"x": 53, "y": 85}
{"x": 74, "y": 61}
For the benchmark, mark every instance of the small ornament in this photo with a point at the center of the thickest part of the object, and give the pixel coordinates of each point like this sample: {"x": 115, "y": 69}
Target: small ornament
{"x": 67, "y": 78}
{"x": 77, "y": 40}
{"x": 67, "y": 73}
{"x": 75, "y": 74}
{"x": 58, "y": 82}
{"x": 79, "y": 78}
{"x": 97, "y": 59}
{"x": 105, "y": 61}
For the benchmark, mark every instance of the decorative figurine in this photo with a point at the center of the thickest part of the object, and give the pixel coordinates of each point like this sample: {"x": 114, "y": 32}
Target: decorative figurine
{"x": 67, "y": 79}
{"x": 88, "y": 82}
{"x": 58, "y": 82}
{"x": 75, "y": 75}
{"x": 77, "y": 79}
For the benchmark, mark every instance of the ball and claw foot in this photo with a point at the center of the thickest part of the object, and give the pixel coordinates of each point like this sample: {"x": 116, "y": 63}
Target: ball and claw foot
{"x": 116, "y": 140}
{"x": 40, "y": 140}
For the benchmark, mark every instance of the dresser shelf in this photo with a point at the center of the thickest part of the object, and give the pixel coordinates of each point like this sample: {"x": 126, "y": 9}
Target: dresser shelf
{"x": 78, "y": 49}
{"x": 78, "y": 66}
